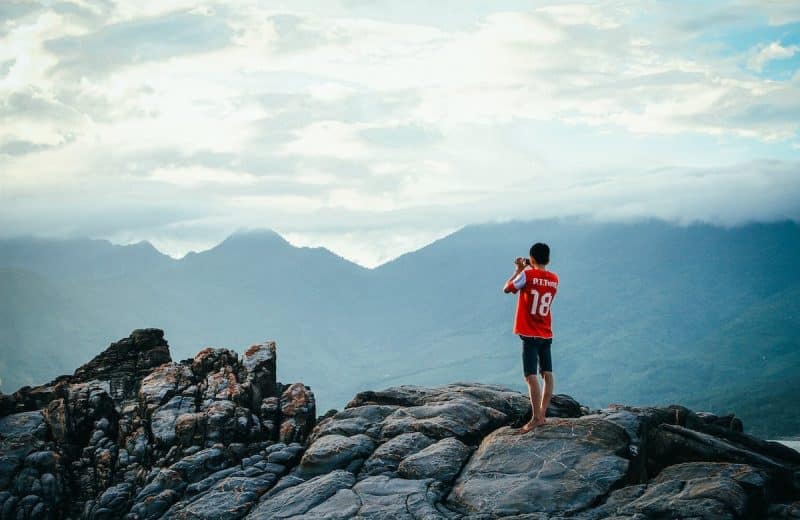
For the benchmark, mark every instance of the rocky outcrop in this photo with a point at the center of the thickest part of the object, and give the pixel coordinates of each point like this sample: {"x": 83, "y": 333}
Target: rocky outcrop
{"x": 132, "y": 433}
{"x": 135, "y": 435}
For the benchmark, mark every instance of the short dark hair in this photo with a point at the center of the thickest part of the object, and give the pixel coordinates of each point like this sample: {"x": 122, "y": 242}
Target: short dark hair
{"x": 541, "y": 253}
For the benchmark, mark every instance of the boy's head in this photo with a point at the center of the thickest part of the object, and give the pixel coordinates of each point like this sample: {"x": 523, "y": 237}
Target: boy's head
{"x": 540, "y": 253}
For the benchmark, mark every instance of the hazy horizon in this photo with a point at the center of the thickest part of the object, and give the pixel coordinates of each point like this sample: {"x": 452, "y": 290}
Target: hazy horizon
{"x": 355, "y": 260}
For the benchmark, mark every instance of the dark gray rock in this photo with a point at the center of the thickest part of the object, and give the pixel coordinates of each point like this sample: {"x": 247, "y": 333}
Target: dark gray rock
{"x": 702, "y": 490}
{"x": 125, "y": 363}
{"x": 160, "y": 385}
{"x": 510, "y": 403}
{"x": 297, "y": 500}
{"x": 562, "y": 467}
{"x": 464, "y": 419}
{"x": 670, "y": 444}
{"x": 259, "y": 372}
{"x": 388, "y": 455}
{"x": 380, "y": 497}
{"x": 23, "y": 427}
{"x": 441, "y": 461}
{"x": 333, "y": 452}
{"x": 165, "y": 417}
{"x": 564, "y": 406}
{"x": 366, "y": 419}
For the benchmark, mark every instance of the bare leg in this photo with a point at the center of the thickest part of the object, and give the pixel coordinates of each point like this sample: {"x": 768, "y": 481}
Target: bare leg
{"x": 535, "y": 394}
{"x": 547, "y": 393}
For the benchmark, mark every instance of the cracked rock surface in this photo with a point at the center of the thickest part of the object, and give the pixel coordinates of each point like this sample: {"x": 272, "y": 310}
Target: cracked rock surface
{"x": 134, "y": 435}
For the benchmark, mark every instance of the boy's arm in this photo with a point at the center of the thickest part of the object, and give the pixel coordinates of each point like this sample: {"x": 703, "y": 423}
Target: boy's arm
{"x": 517, "y": 280}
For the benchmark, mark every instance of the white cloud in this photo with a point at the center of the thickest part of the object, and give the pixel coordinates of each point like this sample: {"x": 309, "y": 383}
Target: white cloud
{"x": 602, "y": 16}
{"x": 200, "y": 176}
{"x": 376, "y": 132}
{"x": 328, "y": 139}
{"x": 763, "y": 54}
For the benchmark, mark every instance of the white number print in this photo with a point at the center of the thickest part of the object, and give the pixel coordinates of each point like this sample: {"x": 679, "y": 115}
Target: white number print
{"x": 541, "y": 305}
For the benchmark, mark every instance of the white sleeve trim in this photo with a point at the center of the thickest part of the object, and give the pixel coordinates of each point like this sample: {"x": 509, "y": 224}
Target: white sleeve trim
{"x": 519, "y": 281}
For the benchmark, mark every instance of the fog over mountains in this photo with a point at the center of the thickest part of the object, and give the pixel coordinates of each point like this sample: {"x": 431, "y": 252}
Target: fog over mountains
{"x": 646, "y": 313}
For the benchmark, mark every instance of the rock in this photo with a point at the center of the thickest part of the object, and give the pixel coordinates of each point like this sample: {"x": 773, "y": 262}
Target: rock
{"x": 693, "y": 490}
{"x": 160, "y": 385}
{"x": 334, "y": 452}
{"x": 564, "y": 406}
{"x": 380, "y": 497}
{"x": 366, "y": 419}
{"x": 562, "y": 467}
{"x": 386, "y": 458}
{"x": 441, "y": 461}
{"x": 464, "y": 419}
{"x": 672, "y": 444}
{"x": 259, "y": 367}
{"x": 125, "y": 363}
{"x": 24, "y": 427}
{"x": 504, "y": 400}
{"x": 114, "y": 502}
{"x": 727, "y": 422}
{"x": 233, "y": 497}
{"x": 297, "y": 500}
{"x": 298, "y": 411}
{"x": 165, "y": 417}
{"x": 131, "y": 433}
{"x": 134, "y": 435}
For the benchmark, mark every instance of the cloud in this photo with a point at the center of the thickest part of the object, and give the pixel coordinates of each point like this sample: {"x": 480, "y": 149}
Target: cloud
{"x": 763, "y": 54}
{"x": 137, "y": 41}
{"x": 375, "y": 126}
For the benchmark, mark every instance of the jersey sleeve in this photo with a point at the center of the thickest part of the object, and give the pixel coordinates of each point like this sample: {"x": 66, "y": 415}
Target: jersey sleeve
{"x": 517, "y": 283}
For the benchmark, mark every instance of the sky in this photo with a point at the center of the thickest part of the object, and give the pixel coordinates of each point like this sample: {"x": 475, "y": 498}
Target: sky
{"x": 374, "y": 127}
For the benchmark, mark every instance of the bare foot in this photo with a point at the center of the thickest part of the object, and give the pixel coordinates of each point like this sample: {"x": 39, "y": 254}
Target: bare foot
{"x": 530, "y": 425}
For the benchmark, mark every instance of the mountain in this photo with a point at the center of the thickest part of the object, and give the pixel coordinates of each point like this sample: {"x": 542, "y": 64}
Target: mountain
{"x": 133, "y": 434}
{"x": 647, "y": 312}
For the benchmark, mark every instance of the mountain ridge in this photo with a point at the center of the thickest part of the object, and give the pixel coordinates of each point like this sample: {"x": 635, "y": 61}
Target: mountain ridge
{"x": 647, "y": 306}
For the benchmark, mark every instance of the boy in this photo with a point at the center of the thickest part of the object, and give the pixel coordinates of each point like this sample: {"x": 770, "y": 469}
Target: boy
{"x": 537, "y": 287}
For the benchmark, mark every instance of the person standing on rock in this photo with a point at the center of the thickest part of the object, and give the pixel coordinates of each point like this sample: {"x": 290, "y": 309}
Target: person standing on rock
{"x": 536, "y": 287}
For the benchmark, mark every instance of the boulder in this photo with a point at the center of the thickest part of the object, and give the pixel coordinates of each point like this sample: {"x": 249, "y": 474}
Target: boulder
{"x": 366, "y": 419}
{"x": 297, "y": 500}
{"x": 387, "y": 457}
{"x": 464, "y": 419}
{"x": 441, "y": 461}
{"x": 692, "y": 490}
{"x": 563, "y": 467}
{"x": 670, "y": 444}
{"x": 333, "y": 452}
{"x": 380, "y": 497}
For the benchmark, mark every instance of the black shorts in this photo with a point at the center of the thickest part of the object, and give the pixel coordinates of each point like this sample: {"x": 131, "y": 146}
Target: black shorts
{"x": 536, "y": 350}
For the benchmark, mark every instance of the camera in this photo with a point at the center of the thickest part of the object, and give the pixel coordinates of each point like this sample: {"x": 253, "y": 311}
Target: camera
{"x": 526, "y": 261}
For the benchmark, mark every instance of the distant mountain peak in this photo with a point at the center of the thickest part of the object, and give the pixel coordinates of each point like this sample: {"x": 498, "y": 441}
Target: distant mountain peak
{"x": 256, "y": 234}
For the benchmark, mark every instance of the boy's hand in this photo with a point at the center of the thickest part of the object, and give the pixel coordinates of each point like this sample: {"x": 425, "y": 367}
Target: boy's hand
{"x": 520, "y": 263}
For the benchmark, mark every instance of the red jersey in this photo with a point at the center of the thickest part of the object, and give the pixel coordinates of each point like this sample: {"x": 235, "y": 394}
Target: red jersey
{"x": 537, "y": 288}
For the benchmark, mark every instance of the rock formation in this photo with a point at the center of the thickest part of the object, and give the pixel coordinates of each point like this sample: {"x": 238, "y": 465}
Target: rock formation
{"x": 132, "y": 434}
